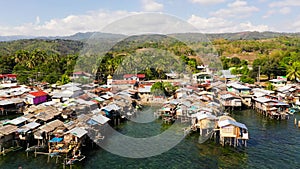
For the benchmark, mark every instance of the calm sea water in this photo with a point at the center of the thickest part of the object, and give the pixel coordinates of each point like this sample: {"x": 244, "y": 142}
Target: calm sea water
{"x": 273, "y": 144}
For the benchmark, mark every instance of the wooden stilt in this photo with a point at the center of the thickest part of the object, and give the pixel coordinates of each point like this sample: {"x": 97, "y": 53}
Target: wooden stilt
{"x": 48, "y": 160}
{"x": 27, "y": 150}
{"x": 35, "y": 152}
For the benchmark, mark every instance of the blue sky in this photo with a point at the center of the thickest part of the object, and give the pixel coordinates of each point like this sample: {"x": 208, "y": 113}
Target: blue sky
{"x": 66, "y": 17}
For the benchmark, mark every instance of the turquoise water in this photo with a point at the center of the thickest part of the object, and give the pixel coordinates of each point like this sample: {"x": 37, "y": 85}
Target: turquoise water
{"x": 272, "y": 144}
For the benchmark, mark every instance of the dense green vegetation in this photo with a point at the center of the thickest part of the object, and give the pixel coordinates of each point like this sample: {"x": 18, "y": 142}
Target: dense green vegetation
{"x": 274, "y": 57}
{"x": 153, "y": 55}
{"x": 54, "y": 61}
{"x": 163, "y": 89}
{"x": 39, "y": 60}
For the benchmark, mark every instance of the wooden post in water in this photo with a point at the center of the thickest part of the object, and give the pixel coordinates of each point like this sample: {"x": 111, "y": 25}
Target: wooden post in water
{"x": 299, "y": 123}
{"x": 295, "y": 121}
{"x": 35, "y": 152}
{"x": 27, "y": 150}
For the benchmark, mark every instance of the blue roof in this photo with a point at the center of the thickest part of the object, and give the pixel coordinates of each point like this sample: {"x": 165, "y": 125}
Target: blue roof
{"x": 56, "y": 140}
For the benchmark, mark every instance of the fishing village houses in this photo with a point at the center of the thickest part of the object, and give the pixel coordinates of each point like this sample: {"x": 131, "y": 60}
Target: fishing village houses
{"x": 58, "y": 121}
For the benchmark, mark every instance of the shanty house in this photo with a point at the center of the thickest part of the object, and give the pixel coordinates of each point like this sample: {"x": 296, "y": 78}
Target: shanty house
{"x": 36, "y": 97}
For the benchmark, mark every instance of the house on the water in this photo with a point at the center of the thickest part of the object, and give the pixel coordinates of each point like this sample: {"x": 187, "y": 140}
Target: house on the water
{"x": 272, "y": 108}
{"x": 232, "y": 132}
{"x": 230, "y": 100}
{"x": 242, "y": 90}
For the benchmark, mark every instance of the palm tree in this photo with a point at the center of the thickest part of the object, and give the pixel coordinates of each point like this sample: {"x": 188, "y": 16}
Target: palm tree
{"x": 293, "y": 71}
{"x": 21, "y": 56}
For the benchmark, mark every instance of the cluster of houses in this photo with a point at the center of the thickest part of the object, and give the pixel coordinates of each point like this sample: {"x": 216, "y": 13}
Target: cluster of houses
{"x": 202, "y": 112}
{"x": 60, "y": 119}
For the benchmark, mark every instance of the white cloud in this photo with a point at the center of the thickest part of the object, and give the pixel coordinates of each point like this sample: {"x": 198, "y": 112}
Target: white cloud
{"x": 285, "y": 10}
{"x": 269, "y": 13}
{"x": 207, "y": 2}
{"x": 284, "y": 3}
{"x": 272, "y": 11}
{"x": 237, "y": 9}
{"x": 91, "y": 21}
{"x": 220, "y": 25}
{"x": 152, "y": 6}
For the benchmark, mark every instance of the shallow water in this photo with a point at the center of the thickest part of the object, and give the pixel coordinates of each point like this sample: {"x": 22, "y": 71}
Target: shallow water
{"x": 272, "y": 144}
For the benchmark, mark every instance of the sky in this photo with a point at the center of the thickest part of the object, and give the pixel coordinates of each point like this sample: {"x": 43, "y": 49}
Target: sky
{"x": 67, "y": 17}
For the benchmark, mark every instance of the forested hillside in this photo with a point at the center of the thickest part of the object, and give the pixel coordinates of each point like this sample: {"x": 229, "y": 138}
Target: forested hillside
{"x": 53, "y": 60}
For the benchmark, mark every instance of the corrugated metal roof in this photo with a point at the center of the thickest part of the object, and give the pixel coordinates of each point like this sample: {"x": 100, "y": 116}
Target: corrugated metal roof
{"x": 100, "y": 119}
{"x": 78, "y": 132}
{"x": 263, "y": 99}
{"x": 111, "y": 107}
{"x": 17, "y": 120}
{"x": 227, "y": 96}
{"x": 227, "y": 122}
{"x": 32, "y": 125}
{"x": 238, "y": 86}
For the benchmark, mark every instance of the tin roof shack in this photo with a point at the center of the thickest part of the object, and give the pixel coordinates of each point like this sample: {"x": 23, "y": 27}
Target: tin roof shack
{"x": 242, "y": 90}
{"x": 217, "y": 87}
{"x": 67, "y": 91}
{"x": 287, "y": 93}
{"x": 98, "y": 127}
{"x": 112, "y": 111}
{"x": 47, "y": 114}
{"x": 203, "y": 77}
{"x": 271, "y": 108}
{"x": 26, "y": 132}
{"x": 205, "y": 96}
{"x": 14, "y": 105}
{"x": 7, "y": 135}
{"x": 36, "y": 97}
{"x": 232, "y": 132}
{"x": 19, "y": 121}
{"x": 238, "y": 88}
{"x": 230, "y": 100}
{"x": 205, "y": 121}
{"x": 72, "y": 140}
{"x": 278, "y": 82}
{"x": 43, "y": 132}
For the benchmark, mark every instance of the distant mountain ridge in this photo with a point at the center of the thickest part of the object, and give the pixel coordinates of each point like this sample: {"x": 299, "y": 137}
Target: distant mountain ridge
{"x": 183, "y": 36}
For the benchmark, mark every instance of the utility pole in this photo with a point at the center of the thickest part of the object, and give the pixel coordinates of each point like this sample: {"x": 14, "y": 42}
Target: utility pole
{"x": 258, "y": 80}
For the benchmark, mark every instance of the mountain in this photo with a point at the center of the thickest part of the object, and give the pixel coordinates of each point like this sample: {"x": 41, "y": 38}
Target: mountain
{"x": 60, "y": 46}
{"x": 192, "y": 37}
{"x": 16, "y": 37}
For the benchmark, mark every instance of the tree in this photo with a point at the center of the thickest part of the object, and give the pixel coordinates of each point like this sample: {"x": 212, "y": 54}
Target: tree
{"x": 235, "y": 61}
{"x": 158, "y": 89}
{"x": 293, "y": 71}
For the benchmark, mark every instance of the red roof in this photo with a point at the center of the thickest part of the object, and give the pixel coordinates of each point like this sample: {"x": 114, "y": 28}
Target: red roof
{"x": 8, "y": 75}
{"x": 38, "y": 93}
{"x": 141, "y": 76}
